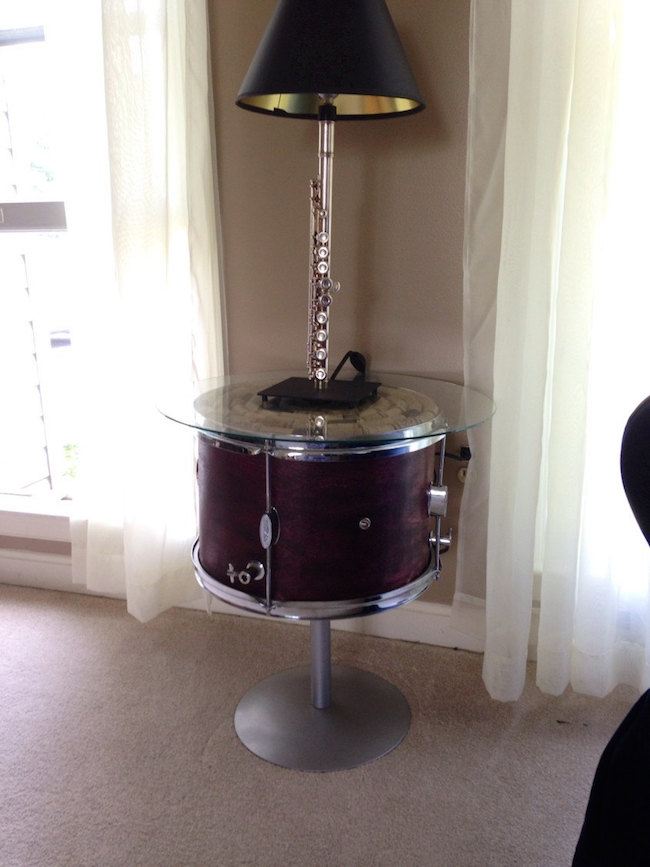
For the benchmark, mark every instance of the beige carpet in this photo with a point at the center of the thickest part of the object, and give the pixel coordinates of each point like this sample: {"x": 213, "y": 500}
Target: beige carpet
{"x": 117, "y": 747}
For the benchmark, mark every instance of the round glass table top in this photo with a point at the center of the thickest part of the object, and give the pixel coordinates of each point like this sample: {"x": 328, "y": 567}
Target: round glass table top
{"x": 403, "y": 408}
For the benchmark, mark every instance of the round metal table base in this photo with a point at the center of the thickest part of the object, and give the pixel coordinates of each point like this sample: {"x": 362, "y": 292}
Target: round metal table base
{"x": 366, "y": 718}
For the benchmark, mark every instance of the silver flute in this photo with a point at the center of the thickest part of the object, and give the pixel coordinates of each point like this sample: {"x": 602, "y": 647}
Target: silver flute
{"x": 321, "y": 285}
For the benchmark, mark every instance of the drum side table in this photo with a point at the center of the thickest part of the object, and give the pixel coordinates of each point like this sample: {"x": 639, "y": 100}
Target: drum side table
{"x": 317, "y": 512}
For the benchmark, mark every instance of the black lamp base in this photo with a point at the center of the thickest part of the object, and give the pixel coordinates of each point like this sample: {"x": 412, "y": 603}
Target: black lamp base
{"x": 346, "y": 392}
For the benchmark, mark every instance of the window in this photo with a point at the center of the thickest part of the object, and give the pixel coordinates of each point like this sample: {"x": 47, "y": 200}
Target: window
{"x": 38, "y": 439}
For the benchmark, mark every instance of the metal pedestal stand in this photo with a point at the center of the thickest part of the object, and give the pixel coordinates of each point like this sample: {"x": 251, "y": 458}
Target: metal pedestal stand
{"x": 322, "y": 718}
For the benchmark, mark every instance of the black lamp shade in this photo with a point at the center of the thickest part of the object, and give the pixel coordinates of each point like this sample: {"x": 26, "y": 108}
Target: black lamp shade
{"x": 347, "y": 48}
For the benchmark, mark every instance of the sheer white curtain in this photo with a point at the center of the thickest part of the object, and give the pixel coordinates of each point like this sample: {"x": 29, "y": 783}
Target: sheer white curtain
{"x": 557, "y": 310}
{"x": 150, "y": 316}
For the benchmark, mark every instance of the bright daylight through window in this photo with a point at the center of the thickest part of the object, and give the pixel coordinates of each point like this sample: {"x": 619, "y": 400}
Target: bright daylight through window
{"x": 38, "y": 437}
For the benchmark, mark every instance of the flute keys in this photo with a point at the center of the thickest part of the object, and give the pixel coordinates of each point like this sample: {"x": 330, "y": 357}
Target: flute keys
{"x": 321, "y": 318}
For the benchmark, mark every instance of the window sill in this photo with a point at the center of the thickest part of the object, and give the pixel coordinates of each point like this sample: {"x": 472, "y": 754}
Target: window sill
{"x": 36, "y": 519}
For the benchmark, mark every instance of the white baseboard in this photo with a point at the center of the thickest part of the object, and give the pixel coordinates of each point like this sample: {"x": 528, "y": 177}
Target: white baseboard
{"x": 35, "y": 569}
{"x": 419, "y": 621}
{"x": 423, "y": 622}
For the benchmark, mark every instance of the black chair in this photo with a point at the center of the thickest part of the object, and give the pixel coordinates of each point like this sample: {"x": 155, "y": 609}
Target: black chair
{"x": 635, "y": 465}
{"x": 616, "y": 829}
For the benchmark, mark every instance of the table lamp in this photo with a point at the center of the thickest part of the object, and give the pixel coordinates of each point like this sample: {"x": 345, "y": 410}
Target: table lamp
{"x": 328, "y": 60}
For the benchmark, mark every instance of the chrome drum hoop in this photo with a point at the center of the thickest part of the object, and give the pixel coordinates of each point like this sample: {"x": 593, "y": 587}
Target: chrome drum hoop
{"x": 310, "y": 451}
{"x": 326, "y": 610}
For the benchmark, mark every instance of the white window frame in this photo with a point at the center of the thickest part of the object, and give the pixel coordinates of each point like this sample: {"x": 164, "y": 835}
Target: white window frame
{"x": 34, "y": 529}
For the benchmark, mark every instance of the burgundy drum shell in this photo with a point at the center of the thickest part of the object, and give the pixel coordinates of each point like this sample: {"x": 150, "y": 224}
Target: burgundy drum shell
{"x": 351, "y": 526}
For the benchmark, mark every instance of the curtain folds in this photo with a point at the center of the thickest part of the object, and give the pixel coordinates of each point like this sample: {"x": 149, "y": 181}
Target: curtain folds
{"x": 556, "y": 302}
{"x": 489, "y": 43}
{"x": 152, "y": 321}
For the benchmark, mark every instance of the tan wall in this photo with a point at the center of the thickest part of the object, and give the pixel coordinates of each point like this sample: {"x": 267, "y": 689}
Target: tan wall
{"x": 398, "y": 197}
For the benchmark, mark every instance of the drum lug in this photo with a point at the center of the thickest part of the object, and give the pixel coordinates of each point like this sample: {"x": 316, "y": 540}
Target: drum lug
{"x": 437, "y": 496}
